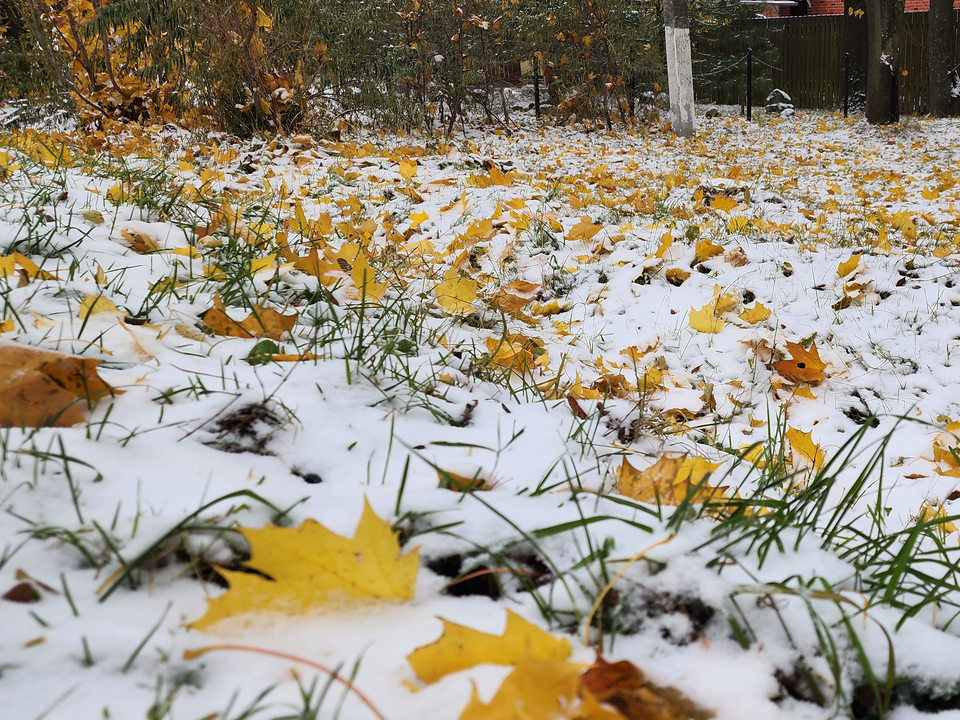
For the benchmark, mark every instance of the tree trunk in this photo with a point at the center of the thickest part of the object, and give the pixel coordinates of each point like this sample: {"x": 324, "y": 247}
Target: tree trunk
{"x": 855, "y": 48}
{"x": 676, "y": 22}
{"x": 940, "y": 57}
{"x": 884, "y": 34}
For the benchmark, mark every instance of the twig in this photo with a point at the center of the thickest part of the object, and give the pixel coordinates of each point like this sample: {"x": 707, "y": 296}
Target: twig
{"x": 191, "y": 654}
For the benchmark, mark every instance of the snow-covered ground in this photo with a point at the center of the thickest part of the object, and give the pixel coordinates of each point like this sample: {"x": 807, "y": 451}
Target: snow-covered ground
{"x": 553, "y": 302}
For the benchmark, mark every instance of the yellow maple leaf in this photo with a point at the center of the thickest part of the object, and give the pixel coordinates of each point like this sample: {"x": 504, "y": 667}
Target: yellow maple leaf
{"x": 705, "y": 320}
{"x": 310, "y": 566}
{"x": 849, "y": 265}
{"x": 456, "y": 294}
{"x": 802, "y": 443}
{"x": 418, "y": 218}
{"x": 724, "y": 203}
{"x": 758, "y": 313}
{"x": 7, "y": 325}
{"x": 408, "y": 169}
{"x": 705, "y": 249}
{"x": 667, "y": 481}
{"x": 461, "y": 647}
{"x": 535, "y": 690}
{"x": 583, "y": 230}
{"x": 93, "y": 304}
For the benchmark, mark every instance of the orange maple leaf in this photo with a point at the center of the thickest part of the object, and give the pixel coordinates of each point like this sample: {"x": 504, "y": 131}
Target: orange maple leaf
{"x": 803, "y": 365}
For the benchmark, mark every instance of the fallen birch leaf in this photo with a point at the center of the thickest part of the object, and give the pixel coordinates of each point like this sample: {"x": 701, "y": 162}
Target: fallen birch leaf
{"x": 311, "y": 566}
{"x": 461, "y": 647}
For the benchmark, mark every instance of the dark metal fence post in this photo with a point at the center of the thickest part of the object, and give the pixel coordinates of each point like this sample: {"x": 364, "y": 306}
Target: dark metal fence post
{"x": 536, "y": 86}
{"x": 846, "y": 83}
{"x": 749, "y": 84}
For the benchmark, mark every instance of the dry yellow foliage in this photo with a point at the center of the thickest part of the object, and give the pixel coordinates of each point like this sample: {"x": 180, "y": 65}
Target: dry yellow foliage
{"x": 705, "y": 249}
{"x": 758, "y": 313}
{"x": 461, "y": 647}
{"x": 310, "y": 566}
{"x": 705, "y": 319}
{"x": 668, "y": 481}
{"x": 456, "y": 294}
{"x": 849, "y": 265}
{"x": 808, "y": 451}
{"x": 93, "y": 304}
{"x": 724, "y": 203}
{"x": 535, "y": 690}
{"x": 583, "y": 230}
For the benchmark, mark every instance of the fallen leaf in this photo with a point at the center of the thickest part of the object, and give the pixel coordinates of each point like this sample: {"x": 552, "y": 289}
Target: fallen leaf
{"x": 849, "y": 265}
{"x": 40, "y": 388}
{"x": 705, "y": 320}
{"x": 461, "y": 647}
{"x": 802, "y": 443}
{"x": 262, "y": 322}
{"x": 311, "y": 566}
{"x": 140, "y": 242}
{"x": 803, "y": 365}
{"x": 758, "y": 313}
{"x": 724, "y": 203}
{"x": 94, "y": 217}
{"x": 623, "y": 686}
{"x": 93, "y": 304}
{"x": 677, "y": 276}
{"x": 456, "y": 294}
{"x": 705, "y": 249}
{"x": 583, "y": 230}
{"x": 535, "y": 690}
{"x": 737, "y": 256}
{"x": 668, "y": 481}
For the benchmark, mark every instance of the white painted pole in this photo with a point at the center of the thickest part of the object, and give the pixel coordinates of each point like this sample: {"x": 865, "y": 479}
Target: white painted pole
{"x": 676, "y": 21}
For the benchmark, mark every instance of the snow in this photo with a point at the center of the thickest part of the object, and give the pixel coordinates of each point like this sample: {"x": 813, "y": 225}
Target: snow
{"x": 820, "y": 189}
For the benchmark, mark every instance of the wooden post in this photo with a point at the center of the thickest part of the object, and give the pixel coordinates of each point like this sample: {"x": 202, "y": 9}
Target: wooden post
{"x": 676, "y": 26}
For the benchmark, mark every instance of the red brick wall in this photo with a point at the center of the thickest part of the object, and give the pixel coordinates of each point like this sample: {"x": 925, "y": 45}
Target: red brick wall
{"x": 835, "y": 7}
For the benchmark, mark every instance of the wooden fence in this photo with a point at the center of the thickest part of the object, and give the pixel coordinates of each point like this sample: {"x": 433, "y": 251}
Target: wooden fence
{"x": 810, "y": 67}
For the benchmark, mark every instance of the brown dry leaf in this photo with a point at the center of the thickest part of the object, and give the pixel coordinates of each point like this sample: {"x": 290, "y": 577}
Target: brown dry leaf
{"x": 736, "y": 257}
{"x": 803, "y": 365}
{"x": 623, "y": 686}
{"x": 139, "y": 242}
{"x": 263, "y": 322}
{"x": 39, "y": 387}
{"x": 677, "y": 276}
